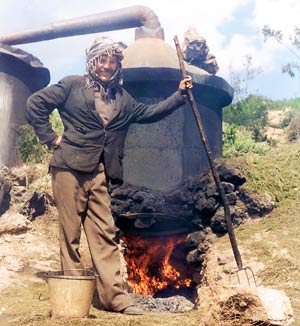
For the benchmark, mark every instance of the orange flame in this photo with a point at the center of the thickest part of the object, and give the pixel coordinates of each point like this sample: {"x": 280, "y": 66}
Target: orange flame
{"x": 154, "y": 264}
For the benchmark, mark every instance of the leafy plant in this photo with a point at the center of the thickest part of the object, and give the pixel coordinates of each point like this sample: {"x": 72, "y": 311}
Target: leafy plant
{"x": 56, "y": 122}
{"x": 293, "y": 103}
{"x": 229, "y": 134}
{"x": 293, "y": 130}
{"x": 238, "y": 141}
{"x": 29, "y": 147}
{"x": 291, "y": 120}
{"x": 251, "y": 113}
{"x": 288, "y": 117}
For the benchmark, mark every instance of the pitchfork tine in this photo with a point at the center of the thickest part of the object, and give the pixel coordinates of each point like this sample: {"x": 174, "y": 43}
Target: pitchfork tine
{"x": 247, "y": 271}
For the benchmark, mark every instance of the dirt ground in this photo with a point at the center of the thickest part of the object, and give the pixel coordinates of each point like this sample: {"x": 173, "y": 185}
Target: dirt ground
{"x": 274, "y": 131}
{"x": 22, "y": 255}
{"x": 29, "y": 305}
{"x": 24, "y": 298}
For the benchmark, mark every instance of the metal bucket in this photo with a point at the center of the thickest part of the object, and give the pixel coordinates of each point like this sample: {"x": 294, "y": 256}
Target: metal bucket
{"x": 71, "y": 292}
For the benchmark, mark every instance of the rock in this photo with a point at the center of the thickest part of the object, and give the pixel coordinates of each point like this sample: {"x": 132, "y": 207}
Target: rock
{"x": 223, "y": 260}
{"x": 148, "y": 206}
{"x": 196, "y": 183}
{"x": 18, "y": 193}
{"x": 229, "y": 174}
{"x": 5, "y": 187}
{"x": 120, "y": 193}
{"x": 196, "y": 277}
{"x": 228, "y": 187}
{"x": 218, "y": 223}
{"x": 29, "y": 203}
{"x": 277, "y": 305}
{"x": 206, "y": 205}
{"x": 239, "y": 212}
{"x": 139, "y": 196}
{"x": 231, "y": 198}
{"x": 238, "y": 215}
{"x": 18, "y": 177}
{"x": 244, "y": 305}
{"x": 197, "y": 255}
{"x": 13, "y": 223}
{"x": 257, "y": 205}
{"x": 36, "y": 205}
{"x": 176, "y": 197}
{"x": 15, "y": 196}
{"x": 194, "y": 239}
{"x": 211, "y": 190}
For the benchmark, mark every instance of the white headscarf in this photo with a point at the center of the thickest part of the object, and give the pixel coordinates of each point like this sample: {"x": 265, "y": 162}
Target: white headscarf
{"x": 104, "y": 46}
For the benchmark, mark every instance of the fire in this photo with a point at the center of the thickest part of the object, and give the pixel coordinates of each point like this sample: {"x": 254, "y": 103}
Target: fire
{"x": 154, "y": 264}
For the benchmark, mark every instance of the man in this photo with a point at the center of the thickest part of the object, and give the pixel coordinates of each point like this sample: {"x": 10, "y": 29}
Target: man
{"x": 96, "y": 113}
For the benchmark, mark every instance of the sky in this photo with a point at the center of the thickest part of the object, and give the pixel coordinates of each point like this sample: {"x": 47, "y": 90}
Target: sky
{"x": 232, "y": 29}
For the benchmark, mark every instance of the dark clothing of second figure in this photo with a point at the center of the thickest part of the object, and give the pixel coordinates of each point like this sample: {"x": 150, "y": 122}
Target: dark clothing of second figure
{"x": 88, "y": 157}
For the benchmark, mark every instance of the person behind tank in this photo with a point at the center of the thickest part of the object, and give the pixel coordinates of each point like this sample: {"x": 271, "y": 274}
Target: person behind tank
{"x": 96, "y": 112}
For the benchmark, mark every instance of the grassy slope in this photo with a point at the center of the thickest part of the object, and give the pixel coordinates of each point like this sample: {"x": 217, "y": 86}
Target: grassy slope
{"x": 275, "y": 239}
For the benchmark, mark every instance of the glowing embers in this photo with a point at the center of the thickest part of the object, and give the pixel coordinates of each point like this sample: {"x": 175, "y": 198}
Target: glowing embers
{"x": 157, "y": 263}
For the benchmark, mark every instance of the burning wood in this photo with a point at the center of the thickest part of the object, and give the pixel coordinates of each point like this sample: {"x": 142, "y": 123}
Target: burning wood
{"x": 155, "y": 264}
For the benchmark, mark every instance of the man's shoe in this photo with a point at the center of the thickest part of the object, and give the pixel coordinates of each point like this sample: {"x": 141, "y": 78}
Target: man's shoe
{"x": 132, "y": 310}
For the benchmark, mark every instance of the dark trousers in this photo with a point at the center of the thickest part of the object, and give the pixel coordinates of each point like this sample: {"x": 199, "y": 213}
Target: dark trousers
{"x": 83, "y": 199}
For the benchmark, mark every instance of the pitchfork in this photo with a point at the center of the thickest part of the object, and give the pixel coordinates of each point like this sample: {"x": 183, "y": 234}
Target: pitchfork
{"x": 219, "y": 185}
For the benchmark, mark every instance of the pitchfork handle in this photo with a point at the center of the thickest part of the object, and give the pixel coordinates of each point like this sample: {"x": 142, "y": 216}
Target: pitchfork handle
{"x": 193, "y": 104}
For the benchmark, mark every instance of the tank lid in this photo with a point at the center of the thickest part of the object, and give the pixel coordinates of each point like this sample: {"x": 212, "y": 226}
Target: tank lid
{"x": 154, "y": 53}
{"x": 151, "y": 59}
{"x": 24, "y": 64}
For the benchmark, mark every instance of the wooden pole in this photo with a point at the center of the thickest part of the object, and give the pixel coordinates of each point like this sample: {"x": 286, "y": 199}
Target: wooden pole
{"x": 227, "y": 214}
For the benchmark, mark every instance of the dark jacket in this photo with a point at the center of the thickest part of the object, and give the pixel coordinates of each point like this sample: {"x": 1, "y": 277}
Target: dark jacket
{"x": 85, "y": 139}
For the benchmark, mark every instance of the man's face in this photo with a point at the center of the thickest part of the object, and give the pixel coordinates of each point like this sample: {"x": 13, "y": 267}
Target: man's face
{"x": 106, "y": 66}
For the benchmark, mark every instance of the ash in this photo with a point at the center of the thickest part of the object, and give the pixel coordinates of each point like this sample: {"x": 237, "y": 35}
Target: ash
{"x": 174, "y": 304}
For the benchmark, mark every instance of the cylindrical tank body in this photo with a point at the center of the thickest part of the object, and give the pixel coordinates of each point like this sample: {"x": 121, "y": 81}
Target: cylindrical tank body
{"x": 161, "y": 154}
{"x": 21, "y": 74}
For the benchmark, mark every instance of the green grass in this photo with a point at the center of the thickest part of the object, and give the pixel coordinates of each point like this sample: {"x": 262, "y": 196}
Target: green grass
{"x": 275, "y": 239}
{"x": 276, "y": 173}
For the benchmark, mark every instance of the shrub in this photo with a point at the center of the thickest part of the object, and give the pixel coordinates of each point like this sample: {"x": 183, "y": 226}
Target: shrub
{"x": 56, "y": 122}
{"x": 29, "y": 148}
{"x": 288, "y": 117}
{"x": 249, "y": 112}
{"x": 238, "y": 141}
{"x": 293, "y": 129}
{"x": 252, "y": 113}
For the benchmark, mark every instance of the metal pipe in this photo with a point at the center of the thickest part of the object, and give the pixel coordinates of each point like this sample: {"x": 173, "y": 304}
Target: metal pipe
{"x": 135, "y": 16}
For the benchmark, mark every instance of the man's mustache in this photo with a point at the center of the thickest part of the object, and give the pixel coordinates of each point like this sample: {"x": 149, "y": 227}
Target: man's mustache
{"x": 105, "y": 70}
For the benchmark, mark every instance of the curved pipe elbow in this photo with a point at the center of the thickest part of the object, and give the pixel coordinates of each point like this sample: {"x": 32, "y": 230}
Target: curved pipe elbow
{"x": 130, "y": 17}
